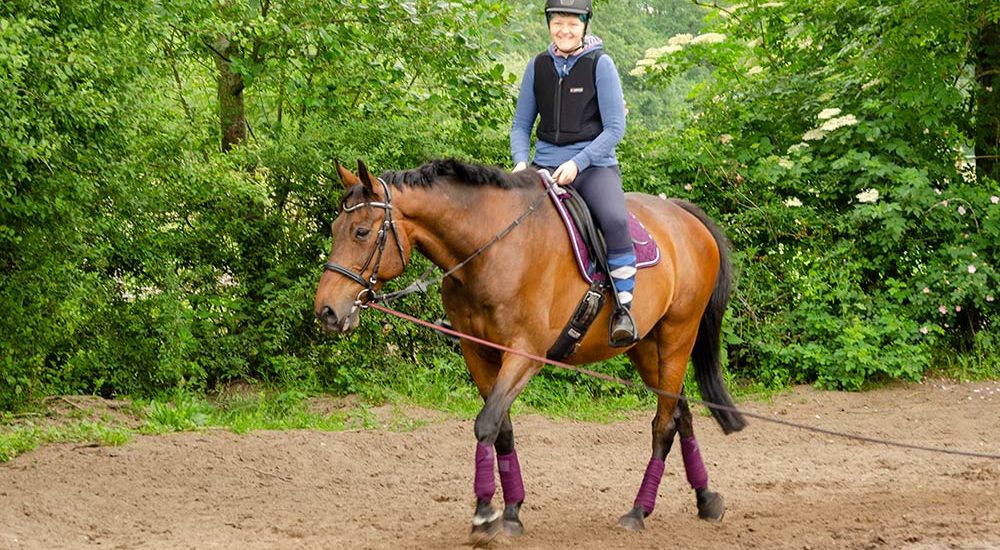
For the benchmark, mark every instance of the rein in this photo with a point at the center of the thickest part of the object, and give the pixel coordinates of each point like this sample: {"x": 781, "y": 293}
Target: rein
{"x": 679, "y": 397}
{"x": 424, "y": 282}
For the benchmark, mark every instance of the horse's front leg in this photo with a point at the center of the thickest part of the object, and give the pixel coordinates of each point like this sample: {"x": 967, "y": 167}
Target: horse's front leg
{"x": 494, "y": 434}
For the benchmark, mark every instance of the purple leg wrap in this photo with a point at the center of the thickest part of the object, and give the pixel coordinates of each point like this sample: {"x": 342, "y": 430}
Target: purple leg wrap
{"x": 510, "y": 478}
{"x": 485, "y": 485}
{"x": 693, "y": 465}
{"x": 650, "y": 485}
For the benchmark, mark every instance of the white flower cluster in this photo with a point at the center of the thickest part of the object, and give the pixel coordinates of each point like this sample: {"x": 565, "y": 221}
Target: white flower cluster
{"x": 828, "y": 113}
{"x": 839, "y": 122}
{"x": 868, "y": 196}
{"x": 680, "y": 39}
{"x": 653, "y": 58}
{"x": 832, "y": 122}
{"x": 793, "y": 202}
{"x": 709, "y": 38}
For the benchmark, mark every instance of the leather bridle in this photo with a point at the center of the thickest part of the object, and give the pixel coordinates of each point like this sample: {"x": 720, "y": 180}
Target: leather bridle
{"x": 388, "y": 226}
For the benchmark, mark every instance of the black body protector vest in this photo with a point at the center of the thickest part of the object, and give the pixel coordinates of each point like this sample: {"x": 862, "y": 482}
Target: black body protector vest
{"x": 567, "y": 105}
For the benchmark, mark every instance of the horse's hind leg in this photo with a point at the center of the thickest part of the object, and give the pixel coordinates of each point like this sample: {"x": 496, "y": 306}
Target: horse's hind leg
{"x": 661, "y": 365}
{"x": 710, "y": 504}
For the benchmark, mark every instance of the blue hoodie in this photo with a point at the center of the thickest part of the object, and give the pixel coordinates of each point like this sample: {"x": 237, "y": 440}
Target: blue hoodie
{"x": 598, "y": 152}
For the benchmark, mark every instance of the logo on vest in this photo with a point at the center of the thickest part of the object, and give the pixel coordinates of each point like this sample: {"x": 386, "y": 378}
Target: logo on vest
{"x": 576, "y": 90}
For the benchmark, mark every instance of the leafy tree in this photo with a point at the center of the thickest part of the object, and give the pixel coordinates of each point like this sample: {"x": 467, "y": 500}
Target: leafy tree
{"x": 832, "y": 137}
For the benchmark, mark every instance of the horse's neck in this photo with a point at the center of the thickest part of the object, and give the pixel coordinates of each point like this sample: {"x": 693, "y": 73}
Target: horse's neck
{"x": 451, "y": 222}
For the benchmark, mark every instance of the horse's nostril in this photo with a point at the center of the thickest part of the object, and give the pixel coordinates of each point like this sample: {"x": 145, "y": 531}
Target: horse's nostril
{"x": 328, "y": 316}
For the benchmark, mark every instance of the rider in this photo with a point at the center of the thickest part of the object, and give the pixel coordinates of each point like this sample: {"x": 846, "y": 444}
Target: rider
{"x": 575, "y": 90}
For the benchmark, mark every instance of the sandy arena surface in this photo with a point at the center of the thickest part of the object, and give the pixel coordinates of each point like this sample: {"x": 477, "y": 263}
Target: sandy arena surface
{"x": 387, "y": 490}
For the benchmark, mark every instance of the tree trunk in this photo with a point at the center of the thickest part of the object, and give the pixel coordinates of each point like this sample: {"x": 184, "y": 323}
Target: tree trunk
{"x": 232, "y": 115}
{"x": 988, "y": 101}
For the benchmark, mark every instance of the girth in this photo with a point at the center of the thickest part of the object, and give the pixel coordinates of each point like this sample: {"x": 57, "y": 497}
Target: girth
{"x": 593, "y": 299}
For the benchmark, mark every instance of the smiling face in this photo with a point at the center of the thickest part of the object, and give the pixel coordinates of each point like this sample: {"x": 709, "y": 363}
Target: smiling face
{"x": 567, "y": 31}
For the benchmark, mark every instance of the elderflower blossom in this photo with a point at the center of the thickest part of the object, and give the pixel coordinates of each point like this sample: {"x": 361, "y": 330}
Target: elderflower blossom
{"x": 680, "y": 39}
{"x": 786, "y": 163}
{"x": 793, "y": 202}
{"x": 828, "y": 113}
{"x": 972, "y": 268}
{"x": 656, "y": 53}
{"x": 756, "y": 69}
{"x": 709, "y": 38}
{"x": 815, "y": 134}
{"x": 995, "y": 199}
{"x": 839, "y": 122}
{"x": 798, "y": 148}
{"x": 868, "y": 196}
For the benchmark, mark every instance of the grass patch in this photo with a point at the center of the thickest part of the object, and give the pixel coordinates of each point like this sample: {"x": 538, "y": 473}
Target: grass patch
{"x": 17, "y": 440}
{"x": 980, "y": 363}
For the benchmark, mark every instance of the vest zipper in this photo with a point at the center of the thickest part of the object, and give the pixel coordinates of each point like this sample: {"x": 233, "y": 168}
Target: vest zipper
{"x": 559, "y": 107}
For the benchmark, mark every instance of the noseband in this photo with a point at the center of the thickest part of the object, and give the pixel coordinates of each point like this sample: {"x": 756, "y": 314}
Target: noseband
{"x": 388, "y": 225}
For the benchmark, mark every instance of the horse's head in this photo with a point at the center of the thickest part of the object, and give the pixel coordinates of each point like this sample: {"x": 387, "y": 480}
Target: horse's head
{"x": 368, "y": 249}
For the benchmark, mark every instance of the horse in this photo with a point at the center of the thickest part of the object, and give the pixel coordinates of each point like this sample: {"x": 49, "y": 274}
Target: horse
{"x": 520, "y": 290}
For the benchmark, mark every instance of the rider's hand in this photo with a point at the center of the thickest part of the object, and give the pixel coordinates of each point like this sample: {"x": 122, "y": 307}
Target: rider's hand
{"x": 566, "y": 173}
{"x": 520, "y": 166}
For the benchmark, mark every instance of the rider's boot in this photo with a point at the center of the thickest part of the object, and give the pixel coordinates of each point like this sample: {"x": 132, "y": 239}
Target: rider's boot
{"x": 621, "y": 329}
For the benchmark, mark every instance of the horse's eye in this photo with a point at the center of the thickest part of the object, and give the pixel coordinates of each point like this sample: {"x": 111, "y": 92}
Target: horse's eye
{"x": 361, "y": 232}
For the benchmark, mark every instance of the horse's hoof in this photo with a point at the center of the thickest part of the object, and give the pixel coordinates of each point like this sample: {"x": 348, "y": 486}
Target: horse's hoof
{"x": 633, "y": 521}
{"x": 711, "y": 506}
{"x": 484, "y": 530}
{"x": 513, "y": 527}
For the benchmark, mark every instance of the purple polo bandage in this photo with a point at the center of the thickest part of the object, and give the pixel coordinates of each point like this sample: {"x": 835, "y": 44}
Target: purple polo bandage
{"x": 650, "y": 485}
{"x": 694, "y": 467}
{"x": 510, "y": 478}
{"x": 485, "y": 485}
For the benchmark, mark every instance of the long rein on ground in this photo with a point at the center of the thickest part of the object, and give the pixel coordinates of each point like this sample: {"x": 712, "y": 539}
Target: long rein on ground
{"x": 373, "y": 300}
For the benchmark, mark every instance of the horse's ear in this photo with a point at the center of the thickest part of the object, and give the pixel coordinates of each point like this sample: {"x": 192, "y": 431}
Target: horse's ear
{"x": 346, "y": 177}
{"x": 366, "y": 178}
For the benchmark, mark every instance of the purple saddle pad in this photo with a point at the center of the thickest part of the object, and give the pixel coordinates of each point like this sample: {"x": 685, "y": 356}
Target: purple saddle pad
{"x": 647, "y": 253}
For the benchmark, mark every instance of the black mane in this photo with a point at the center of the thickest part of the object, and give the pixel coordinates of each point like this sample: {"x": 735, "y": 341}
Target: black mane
{"x": 457, "y": 171}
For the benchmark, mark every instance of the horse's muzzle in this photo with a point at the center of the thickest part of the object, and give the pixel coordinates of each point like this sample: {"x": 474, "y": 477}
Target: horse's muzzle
{"x": 334, "y": 323}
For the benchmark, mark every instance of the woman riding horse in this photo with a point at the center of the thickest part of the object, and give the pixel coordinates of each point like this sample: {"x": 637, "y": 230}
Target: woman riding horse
{"x": 574, "y": 89}
{"x": 520, "y": 291}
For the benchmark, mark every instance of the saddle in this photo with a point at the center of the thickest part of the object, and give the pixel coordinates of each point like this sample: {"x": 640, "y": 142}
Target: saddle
{"x": 590, "y": 252}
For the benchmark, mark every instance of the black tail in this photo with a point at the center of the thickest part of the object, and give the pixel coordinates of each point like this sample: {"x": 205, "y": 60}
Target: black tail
{"x": 705, "y": 356}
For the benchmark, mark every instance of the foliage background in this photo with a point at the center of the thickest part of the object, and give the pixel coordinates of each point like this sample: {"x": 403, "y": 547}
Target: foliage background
{"x": 138, "y": 258}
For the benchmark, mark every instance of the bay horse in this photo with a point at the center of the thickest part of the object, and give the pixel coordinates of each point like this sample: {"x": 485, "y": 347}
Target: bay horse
{"x": 521, "y": 290}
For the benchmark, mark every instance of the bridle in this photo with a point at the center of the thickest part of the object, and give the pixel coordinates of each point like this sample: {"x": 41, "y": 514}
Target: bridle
{"x": 388, "y": 226}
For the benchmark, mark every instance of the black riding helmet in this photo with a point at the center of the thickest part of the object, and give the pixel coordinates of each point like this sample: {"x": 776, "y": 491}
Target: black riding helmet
{"x": 577, "y": 7}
